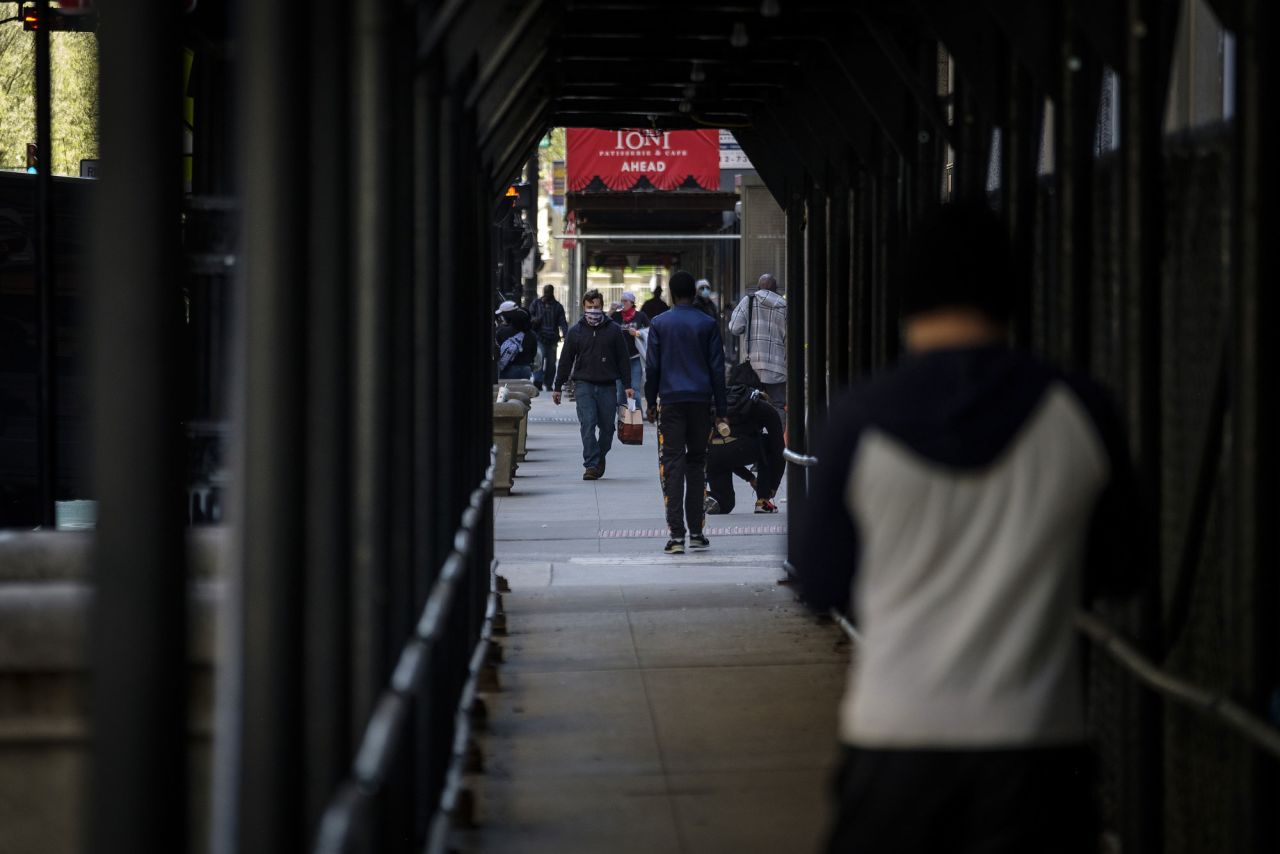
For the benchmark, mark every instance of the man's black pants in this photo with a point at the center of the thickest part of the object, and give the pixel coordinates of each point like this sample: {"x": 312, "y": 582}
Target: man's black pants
{"x": 683, "y": 432}
{"x": 722, "y": 459}
{"x": 965, "y": 802}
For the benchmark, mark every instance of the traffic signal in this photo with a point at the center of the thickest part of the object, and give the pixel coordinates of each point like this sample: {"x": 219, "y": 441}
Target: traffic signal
{"x": 521, "y": 196}
{"x": 59, "y": 21}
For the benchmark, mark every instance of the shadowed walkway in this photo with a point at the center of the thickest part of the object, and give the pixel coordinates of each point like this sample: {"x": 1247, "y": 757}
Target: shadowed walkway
{"x": 648, "y": 703}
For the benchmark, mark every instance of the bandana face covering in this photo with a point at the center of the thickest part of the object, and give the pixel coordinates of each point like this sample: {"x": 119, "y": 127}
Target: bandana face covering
{"x": 594, "y": 316}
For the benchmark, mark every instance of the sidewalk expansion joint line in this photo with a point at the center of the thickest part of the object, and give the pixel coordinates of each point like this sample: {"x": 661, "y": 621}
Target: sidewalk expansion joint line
{"x": 731, "y": 531}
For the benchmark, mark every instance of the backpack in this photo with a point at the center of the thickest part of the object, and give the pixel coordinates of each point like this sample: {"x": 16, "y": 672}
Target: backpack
{"x": 508, "y": 350}
{"x": 739, "y": 399}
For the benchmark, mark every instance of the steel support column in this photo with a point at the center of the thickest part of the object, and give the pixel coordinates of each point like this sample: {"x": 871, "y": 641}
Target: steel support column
{"x": 1075, "y": 121}
{"x": 815, "y": 304}
{"x": 270, "y": 518}
{"x": 839, "y": 290}
{"x": 1019, "y": 156}
{"x": 863, "y": 255}
{"x": 797, "y": 436}
{"x": 138, "y": 789}
{"x": 373, "y": 154}
{"x": 1143, "y": 100}
{"x": 429, "y": 409}
{"x": 1255, "y": 419}
{"x": 46, "y": 286}
{"x": 973, "y": 141}
{"x": 328, "y": 720}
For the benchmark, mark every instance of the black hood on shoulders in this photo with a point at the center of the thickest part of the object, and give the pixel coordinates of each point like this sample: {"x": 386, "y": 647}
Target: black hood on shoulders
{"x": 959, "y": 407}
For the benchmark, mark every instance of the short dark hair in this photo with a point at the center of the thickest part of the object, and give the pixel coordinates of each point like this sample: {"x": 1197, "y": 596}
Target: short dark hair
{"x": 549, "y": 290}
{"x": 959, "y": 258}
{"x": 682, "y": 285}
{"x": 592, "y": 294}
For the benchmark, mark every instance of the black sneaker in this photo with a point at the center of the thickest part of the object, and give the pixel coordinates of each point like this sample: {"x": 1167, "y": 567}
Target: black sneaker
{"x": 600, "y": 468}
{"x": 698, "y": 542}
{"x": 710, "y": 506}
{"x": 674, "y": 547}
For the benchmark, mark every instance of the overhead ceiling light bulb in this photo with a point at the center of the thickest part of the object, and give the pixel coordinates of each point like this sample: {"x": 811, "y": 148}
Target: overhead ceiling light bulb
{"x": 697, "y": 75}
{"x": 738, "y": 38}
{"x": 686, "y": 107}
{"x": 770, "y": 9}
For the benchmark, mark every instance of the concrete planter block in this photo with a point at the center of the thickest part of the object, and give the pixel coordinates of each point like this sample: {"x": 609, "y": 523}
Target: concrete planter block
{"x": 46, "y": 589}
{"x": 523, "y": 386}
{"x": 506, "y": 433}
{"x": 522, "y": 442}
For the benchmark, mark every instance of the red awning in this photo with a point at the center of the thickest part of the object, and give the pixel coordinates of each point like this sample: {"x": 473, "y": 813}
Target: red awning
{"x": 622, "y": 159}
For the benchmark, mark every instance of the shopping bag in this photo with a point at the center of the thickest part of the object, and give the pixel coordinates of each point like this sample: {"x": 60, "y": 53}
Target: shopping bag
{"x": 630, "y": 424}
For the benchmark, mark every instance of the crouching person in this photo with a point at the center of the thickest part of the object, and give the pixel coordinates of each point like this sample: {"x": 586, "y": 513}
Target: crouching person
{"x": 754, "y": 440}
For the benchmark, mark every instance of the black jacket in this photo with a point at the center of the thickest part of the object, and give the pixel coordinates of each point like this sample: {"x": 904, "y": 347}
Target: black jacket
{"x": 548, "y": 318}
{"x": 639, "y": 320}
{"x": 654, "y": 307}
{"x": 513, "y": 322}
{"x": 595, "y": 354}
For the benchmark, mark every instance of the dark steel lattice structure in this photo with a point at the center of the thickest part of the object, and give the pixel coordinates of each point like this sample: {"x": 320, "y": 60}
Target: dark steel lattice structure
{"x": 360, "y": 149}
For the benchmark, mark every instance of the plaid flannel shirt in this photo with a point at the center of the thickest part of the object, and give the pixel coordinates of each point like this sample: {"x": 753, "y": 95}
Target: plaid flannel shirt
{"x": 768, "y": 339}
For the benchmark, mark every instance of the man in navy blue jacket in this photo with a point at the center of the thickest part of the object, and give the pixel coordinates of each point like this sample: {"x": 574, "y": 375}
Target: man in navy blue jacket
{"x": 685, "y": 367}
{"x": 965, "y": 504}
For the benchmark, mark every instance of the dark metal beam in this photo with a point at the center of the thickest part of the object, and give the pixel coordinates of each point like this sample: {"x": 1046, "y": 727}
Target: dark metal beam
{"x": 1255, "y": 419}
{"x": 271, "y": 519}
{"x": 528, "y": 30}
{"x": 1075, "y": 121}
{"x": 638, "y": 118}
{"x": 46, "y": 286}
{"x": 922, "y": 90}
{"x": 519, "y": 91}
{"x": 521, "y": 145}
{"x": 763, "y": 162}
{"x": 870, "y": 81}
{"x": 1031, "y": 29}
{"x": 971, "y": 35}
{"x": 637, "y": 50}
{"x": 328, "y": 724}
{"x": 672, "y": 68}
{"x": 797, "y": 436}
{"x": 139, "y": 781}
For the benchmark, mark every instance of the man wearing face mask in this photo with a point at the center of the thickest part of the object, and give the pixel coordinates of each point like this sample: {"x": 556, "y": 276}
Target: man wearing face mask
{"x": 595, "y": 353}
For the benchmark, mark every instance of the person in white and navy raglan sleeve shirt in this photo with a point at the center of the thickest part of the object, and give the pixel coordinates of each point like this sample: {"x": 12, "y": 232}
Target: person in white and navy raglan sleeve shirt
{"x": 965, "y": 504}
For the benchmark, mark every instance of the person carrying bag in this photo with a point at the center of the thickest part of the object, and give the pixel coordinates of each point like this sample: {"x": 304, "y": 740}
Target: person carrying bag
{"x": 630, "y": 424}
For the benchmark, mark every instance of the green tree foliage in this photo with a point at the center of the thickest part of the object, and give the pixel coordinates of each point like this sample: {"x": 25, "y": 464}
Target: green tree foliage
{"x": 75, "y": 95}
{"x": 553, "y": 152}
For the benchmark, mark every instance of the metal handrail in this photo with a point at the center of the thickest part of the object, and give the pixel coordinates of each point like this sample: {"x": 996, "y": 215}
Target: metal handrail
{"x": 799, "y": 459}
{"x": 385, "y": 727}
{"x": 1212, "y": 703}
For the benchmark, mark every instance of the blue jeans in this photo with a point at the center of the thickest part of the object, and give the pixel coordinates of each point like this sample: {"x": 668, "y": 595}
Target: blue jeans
{"x": 637, "y": 381}
{"x": 516, "y": 372}
{"x": 597, "y": 408}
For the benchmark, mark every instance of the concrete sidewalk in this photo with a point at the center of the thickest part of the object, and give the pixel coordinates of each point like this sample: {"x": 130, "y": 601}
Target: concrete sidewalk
{"x": 649, "y": 703}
